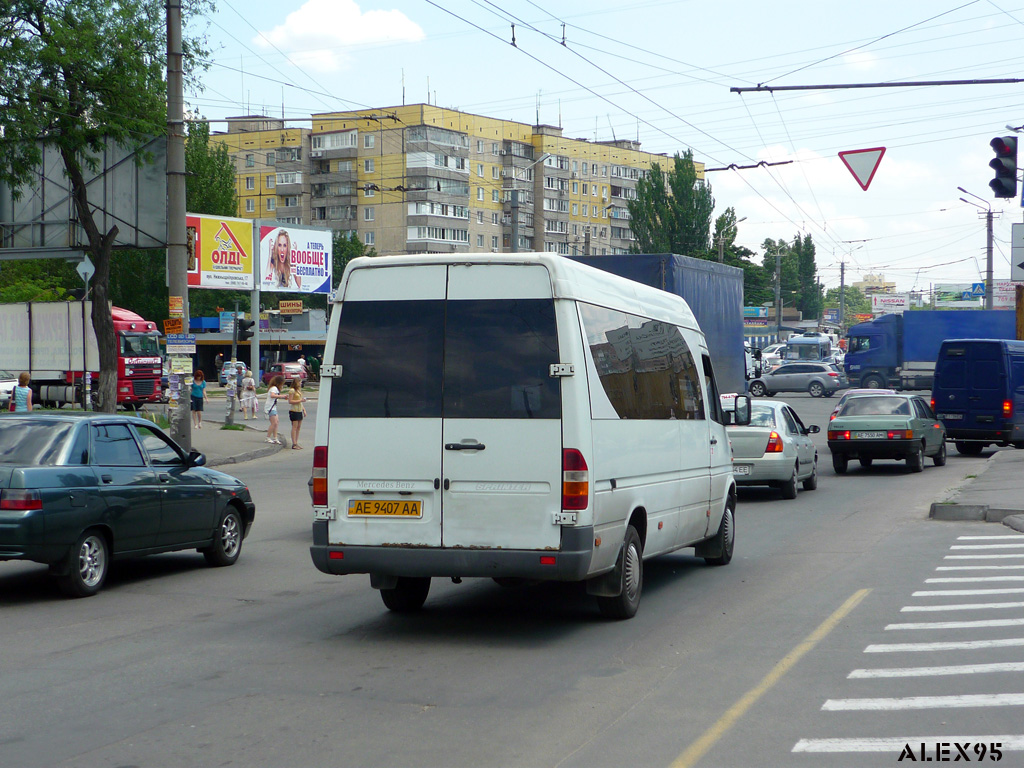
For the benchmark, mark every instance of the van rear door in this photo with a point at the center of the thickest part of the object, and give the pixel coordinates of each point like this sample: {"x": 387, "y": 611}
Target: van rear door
{"x": 502, "y": 429}
{"x": 971, "y": 381}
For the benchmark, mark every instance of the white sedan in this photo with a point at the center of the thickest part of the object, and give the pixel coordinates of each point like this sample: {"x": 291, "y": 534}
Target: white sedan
{"x": 775, "y": 450}
{"x": 8, "y": 381}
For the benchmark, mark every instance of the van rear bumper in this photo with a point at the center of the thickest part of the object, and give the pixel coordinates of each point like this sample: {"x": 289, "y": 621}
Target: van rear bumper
{"x": 572, "y": 559}
{"x": 1005, "y": 433}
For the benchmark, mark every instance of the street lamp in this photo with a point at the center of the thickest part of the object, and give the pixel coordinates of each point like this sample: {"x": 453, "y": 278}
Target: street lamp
{"x": 515, "y": 201}
{"x": 721, "y": 238}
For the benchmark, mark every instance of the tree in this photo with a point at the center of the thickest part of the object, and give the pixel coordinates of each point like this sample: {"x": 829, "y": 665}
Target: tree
{"x": 856, "y": 302}
{"x": 809, "y": 294}
{"x": 757, "y": 285}
{"x": 672, "y": 212}
{"x": 73, "y": 75}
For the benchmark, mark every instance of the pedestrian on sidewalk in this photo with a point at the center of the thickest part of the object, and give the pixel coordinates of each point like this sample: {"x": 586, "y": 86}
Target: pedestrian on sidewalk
{"x": 21, "y": 395}
{"x": 249, "y": 400}
{"x": 198, "y": 398}
{"x": 273, "y": 395}
{"x": 314, "y": 364}
{"x": 296, "y": 410}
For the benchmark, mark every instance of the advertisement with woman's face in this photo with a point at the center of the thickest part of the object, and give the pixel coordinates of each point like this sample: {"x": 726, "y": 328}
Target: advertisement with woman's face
{"x": 295, "y": 260}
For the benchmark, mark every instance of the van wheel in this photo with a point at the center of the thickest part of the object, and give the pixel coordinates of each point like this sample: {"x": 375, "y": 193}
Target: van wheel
{"x": 409, "y": 594}
{"x": 788, "y": 488}
{"x": 757, "y": 389}
{"x": 968, "y": 449}
{"x": 940, "y": 458}
{"x": 915, "y": 460}
{"x": 631, "y": 566}
{"x": 87, "y": 565}
{"x": 724, "y": 541}
{"x": 811, "y": 483}
{"x": 815, "y": 389}
{"x": 840, "y": 462}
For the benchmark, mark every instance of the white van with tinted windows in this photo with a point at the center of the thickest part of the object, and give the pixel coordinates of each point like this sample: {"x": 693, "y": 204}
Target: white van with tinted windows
{"x": 519, "y": 417}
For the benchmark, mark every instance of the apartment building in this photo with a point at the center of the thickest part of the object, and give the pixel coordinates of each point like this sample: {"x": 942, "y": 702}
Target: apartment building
{"x": 425, "y": 179}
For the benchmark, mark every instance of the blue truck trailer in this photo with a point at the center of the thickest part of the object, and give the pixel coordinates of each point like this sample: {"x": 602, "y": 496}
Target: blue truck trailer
{"x": 900, "y": 351}
{"x": 714, "y": 292}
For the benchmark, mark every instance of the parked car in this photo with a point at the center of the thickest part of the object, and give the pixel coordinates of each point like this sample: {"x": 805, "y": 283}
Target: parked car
{"x": 815, "y": 378}
{"x": 774, "y": 449}
{"x": 288, "y": 370}
{"x": 857, "y": 393}
{"x": 771, "y": 356}
{"x": 225, "y": 369}
{"x": 80, "y": 490}
{"x": 896, "y": 426}
{"x": 8, "y": 381}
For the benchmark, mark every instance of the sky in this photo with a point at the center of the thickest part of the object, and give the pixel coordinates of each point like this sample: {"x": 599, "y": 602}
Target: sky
{"x": 662, "y": 71}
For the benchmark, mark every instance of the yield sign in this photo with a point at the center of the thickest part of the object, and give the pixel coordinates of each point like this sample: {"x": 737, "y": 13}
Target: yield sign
{"x": 863, "y": 163}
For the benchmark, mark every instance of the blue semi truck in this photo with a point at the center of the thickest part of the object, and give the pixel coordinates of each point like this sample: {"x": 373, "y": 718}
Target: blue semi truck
{"x": 714, "y": 292}
{"x": 900, "y": 351}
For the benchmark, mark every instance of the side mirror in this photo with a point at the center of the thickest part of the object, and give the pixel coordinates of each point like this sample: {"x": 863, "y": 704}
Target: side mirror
{"x": 741, "y": 411}
{"x": 813, "y": 429}
{"x": 196, "y": 459}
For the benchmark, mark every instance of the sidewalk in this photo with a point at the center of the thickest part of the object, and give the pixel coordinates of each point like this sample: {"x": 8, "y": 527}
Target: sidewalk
{"x": 995, "y": 493}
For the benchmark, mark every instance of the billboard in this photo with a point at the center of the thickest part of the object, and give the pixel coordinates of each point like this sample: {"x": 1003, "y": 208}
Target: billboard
{"x": 294, "y": 260}
{"x": 959, "y": 295}
{"x": 892, "y": 303}
{"x": 220, "y": 253}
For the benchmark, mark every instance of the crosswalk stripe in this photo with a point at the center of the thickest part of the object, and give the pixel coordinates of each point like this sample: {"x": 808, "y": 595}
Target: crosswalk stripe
{"x": 960, "y": 645}
{"x": 981, "y": 557}
{"x": 925, "y": 702}
{"x": 1006, "y": 743}
{"x": 979, "y": 567}
{"x": 959, "y": 607}
{"x": 965, "y": 579}
{"x": 987, "y": 546}
{"x": 1000, "y": 536}
{"x": 958, "y": 624}
{"x": 960, "y": 669}
{"x": 952, "y": 592}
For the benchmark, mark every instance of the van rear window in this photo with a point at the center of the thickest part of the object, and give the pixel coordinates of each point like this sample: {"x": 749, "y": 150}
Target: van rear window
{"x": 468, "y": 359}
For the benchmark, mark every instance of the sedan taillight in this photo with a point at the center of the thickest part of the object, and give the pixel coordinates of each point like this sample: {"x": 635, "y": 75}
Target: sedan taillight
{"x": 901, "y": 434}
{"x": 320, "y": 476}
{"x": 774, "y": 443}
{"x": 17, "y": 499}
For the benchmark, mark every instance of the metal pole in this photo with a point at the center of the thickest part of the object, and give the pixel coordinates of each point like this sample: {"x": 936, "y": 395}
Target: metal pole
{"x": 231, "y": 377}
{"x": 177, "y": 254}
{"x": 778, "y": 294}
{"x": 989, "y": 285}
{"x": 842, "y": 292}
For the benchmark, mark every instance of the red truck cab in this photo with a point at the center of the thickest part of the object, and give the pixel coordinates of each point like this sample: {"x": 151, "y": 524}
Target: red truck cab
{"x": 139, "y": 363}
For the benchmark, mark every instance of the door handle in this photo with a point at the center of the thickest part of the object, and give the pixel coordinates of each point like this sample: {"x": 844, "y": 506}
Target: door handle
{"x": 164, "y": 477}
{"x": 464, "y": 446}
{"x": 446, "y": 483}
{"x": 714, "y": 441}
{"x": 437, "y": 483}
{"x": 107, "y": 478}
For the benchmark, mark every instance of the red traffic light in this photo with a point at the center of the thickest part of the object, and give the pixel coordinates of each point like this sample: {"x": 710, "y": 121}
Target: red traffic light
{"x": 1004, "y": 146}
{"x": 1004, "y": 184}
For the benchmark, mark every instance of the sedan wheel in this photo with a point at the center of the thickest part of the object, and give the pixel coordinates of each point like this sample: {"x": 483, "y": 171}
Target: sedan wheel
{"x": 940, "y": 458}
{"x": 811, "y": 483}
{"x": 227, "y": 543}
{"x": 789, "y": 487}
{"x": 839, "y": 463}
{"x": 88, "y": 563}
{"x": 815, "y": 389}
{"x": 915, "y": 460}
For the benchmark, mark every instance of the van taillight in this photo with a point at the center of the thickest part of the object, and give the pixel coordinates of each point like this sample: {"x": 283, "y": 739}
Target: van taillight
{"x": 933, "y": 403}
{"x": 320, "y": 476}
{"x": 575, "y": 480}
{"x": 20, "y": 500}
{"x": 1007, "y": 409}
{"x": 774, "y": 443}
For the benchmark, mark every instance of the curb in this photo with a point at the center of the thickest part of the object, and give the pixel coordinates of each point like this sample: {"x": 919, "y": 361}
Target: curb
{"x": 259, "y": 453}
{"x": 1015, "y": 521}
{"x": 978, "y": 512}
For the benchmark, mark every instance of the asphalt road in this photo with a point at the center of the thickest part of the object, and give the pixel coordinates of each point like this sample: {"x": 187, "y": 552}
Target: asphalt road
{"x": 271, "y": 663}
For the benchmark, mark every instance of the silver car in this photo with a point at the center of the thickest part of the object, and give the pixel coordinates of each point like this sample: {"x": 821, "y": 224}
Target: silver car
{"x": 774, "y": 449}
{"x": 815, "y": 378}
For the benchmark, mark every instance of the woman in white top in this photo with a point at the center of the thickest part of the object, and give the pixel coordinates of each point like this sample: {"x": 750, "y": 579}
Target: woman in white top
{"x": 249, "y": 401}
{"x": 273, "y": 395}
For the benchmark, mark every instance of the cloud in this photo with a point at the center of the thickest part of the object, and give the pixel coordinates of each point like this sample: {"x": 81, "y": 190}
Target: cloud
{"x": 317, "y": 35}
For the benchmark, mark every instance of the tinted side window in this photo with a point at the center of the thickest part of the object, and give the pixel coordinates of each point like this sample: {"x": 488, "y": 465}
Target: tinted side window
{"x": 114, "y": 446}
{"x": 924, "y": 410}
{"x": 791, "y": 426}
{"x": 390, "y": 353}
{"x": 714, "y": 400}
{"x": 160, "y": 451}
{"x": 951, "y": 373}
{"x": 645, "y": 366}
{"x": 497, "y": 355}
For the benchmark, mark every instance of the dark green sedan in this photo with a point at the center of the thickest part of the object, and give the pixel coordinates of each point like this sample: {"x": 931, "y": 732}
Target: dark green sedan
{"x": 886, "y": 426}
{"x": 80, "y": 490}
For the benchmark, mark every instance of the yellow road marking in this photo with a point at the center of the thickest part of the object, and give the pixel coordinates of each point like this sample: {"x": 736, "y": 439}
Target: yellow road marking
{"x": 710, "y": 737}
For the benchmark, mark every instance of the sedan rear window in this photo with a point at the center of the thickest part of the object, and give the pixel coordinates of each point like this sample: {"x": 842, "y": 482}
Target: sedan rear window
{"x": 28, "y": 443}
{"x": 762, "y": 416}
{"x": 876, "y": 406}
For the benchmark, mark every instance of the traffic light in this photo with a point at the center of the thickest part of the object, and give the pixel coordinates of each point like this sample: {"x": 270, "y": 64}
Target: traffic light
{"x": 1005, "y": 165}
{"x": 244, "y": 328}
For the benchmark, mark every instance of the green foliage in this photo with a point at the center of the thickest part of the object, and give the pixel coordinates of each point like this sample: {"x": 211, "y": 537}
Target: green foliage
{"x": 672, "y": 211}
{"x": 856, "y": 301}
{"x": 37, "y": 280}
{"x": 800, "y": 287}
{"x": 757, "y": 286}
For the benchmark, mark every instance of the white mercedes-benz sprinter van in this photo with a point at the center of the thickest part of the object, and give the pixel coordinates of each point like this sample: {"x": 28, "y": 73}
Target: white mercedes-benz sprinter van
{"x": 515, "y": 416}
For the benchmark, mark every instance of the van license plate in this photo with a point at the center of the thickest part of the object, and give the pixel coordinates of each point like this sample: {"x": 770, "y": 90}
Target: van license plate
{"x": 741, "y": 469}
{"x": 869, "y": 435}
{"x": 951, "y": 416}
{"x": 384, "y": 508}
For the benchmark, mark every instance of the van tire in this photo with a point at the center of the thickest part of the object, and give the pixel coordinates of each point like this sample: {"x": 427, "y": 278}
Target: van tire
{"x": 631, "y": 567}
{"x": 940, "y": 458}
{"x": 968, "y": 449}
{"x": 915, "y": 460}
{"x": 723, "y": 542}
{"x": 788, "y": 488}
{"x": 408, "y": 595}
{"x": 758, "y": 389}
{"x": 840, "y": 462}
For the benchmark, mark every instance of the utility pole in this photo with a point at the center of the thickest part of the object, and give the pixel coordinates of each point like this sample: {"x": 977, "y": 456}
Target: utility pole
{"x": 989, "y": 285}
{"x": 515, "y": 216}
{"x": 231, "y": 378}
{"x": 778, "y": 293}
{"x": 842, "y": 292}
{"x": 177, "y": 255}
